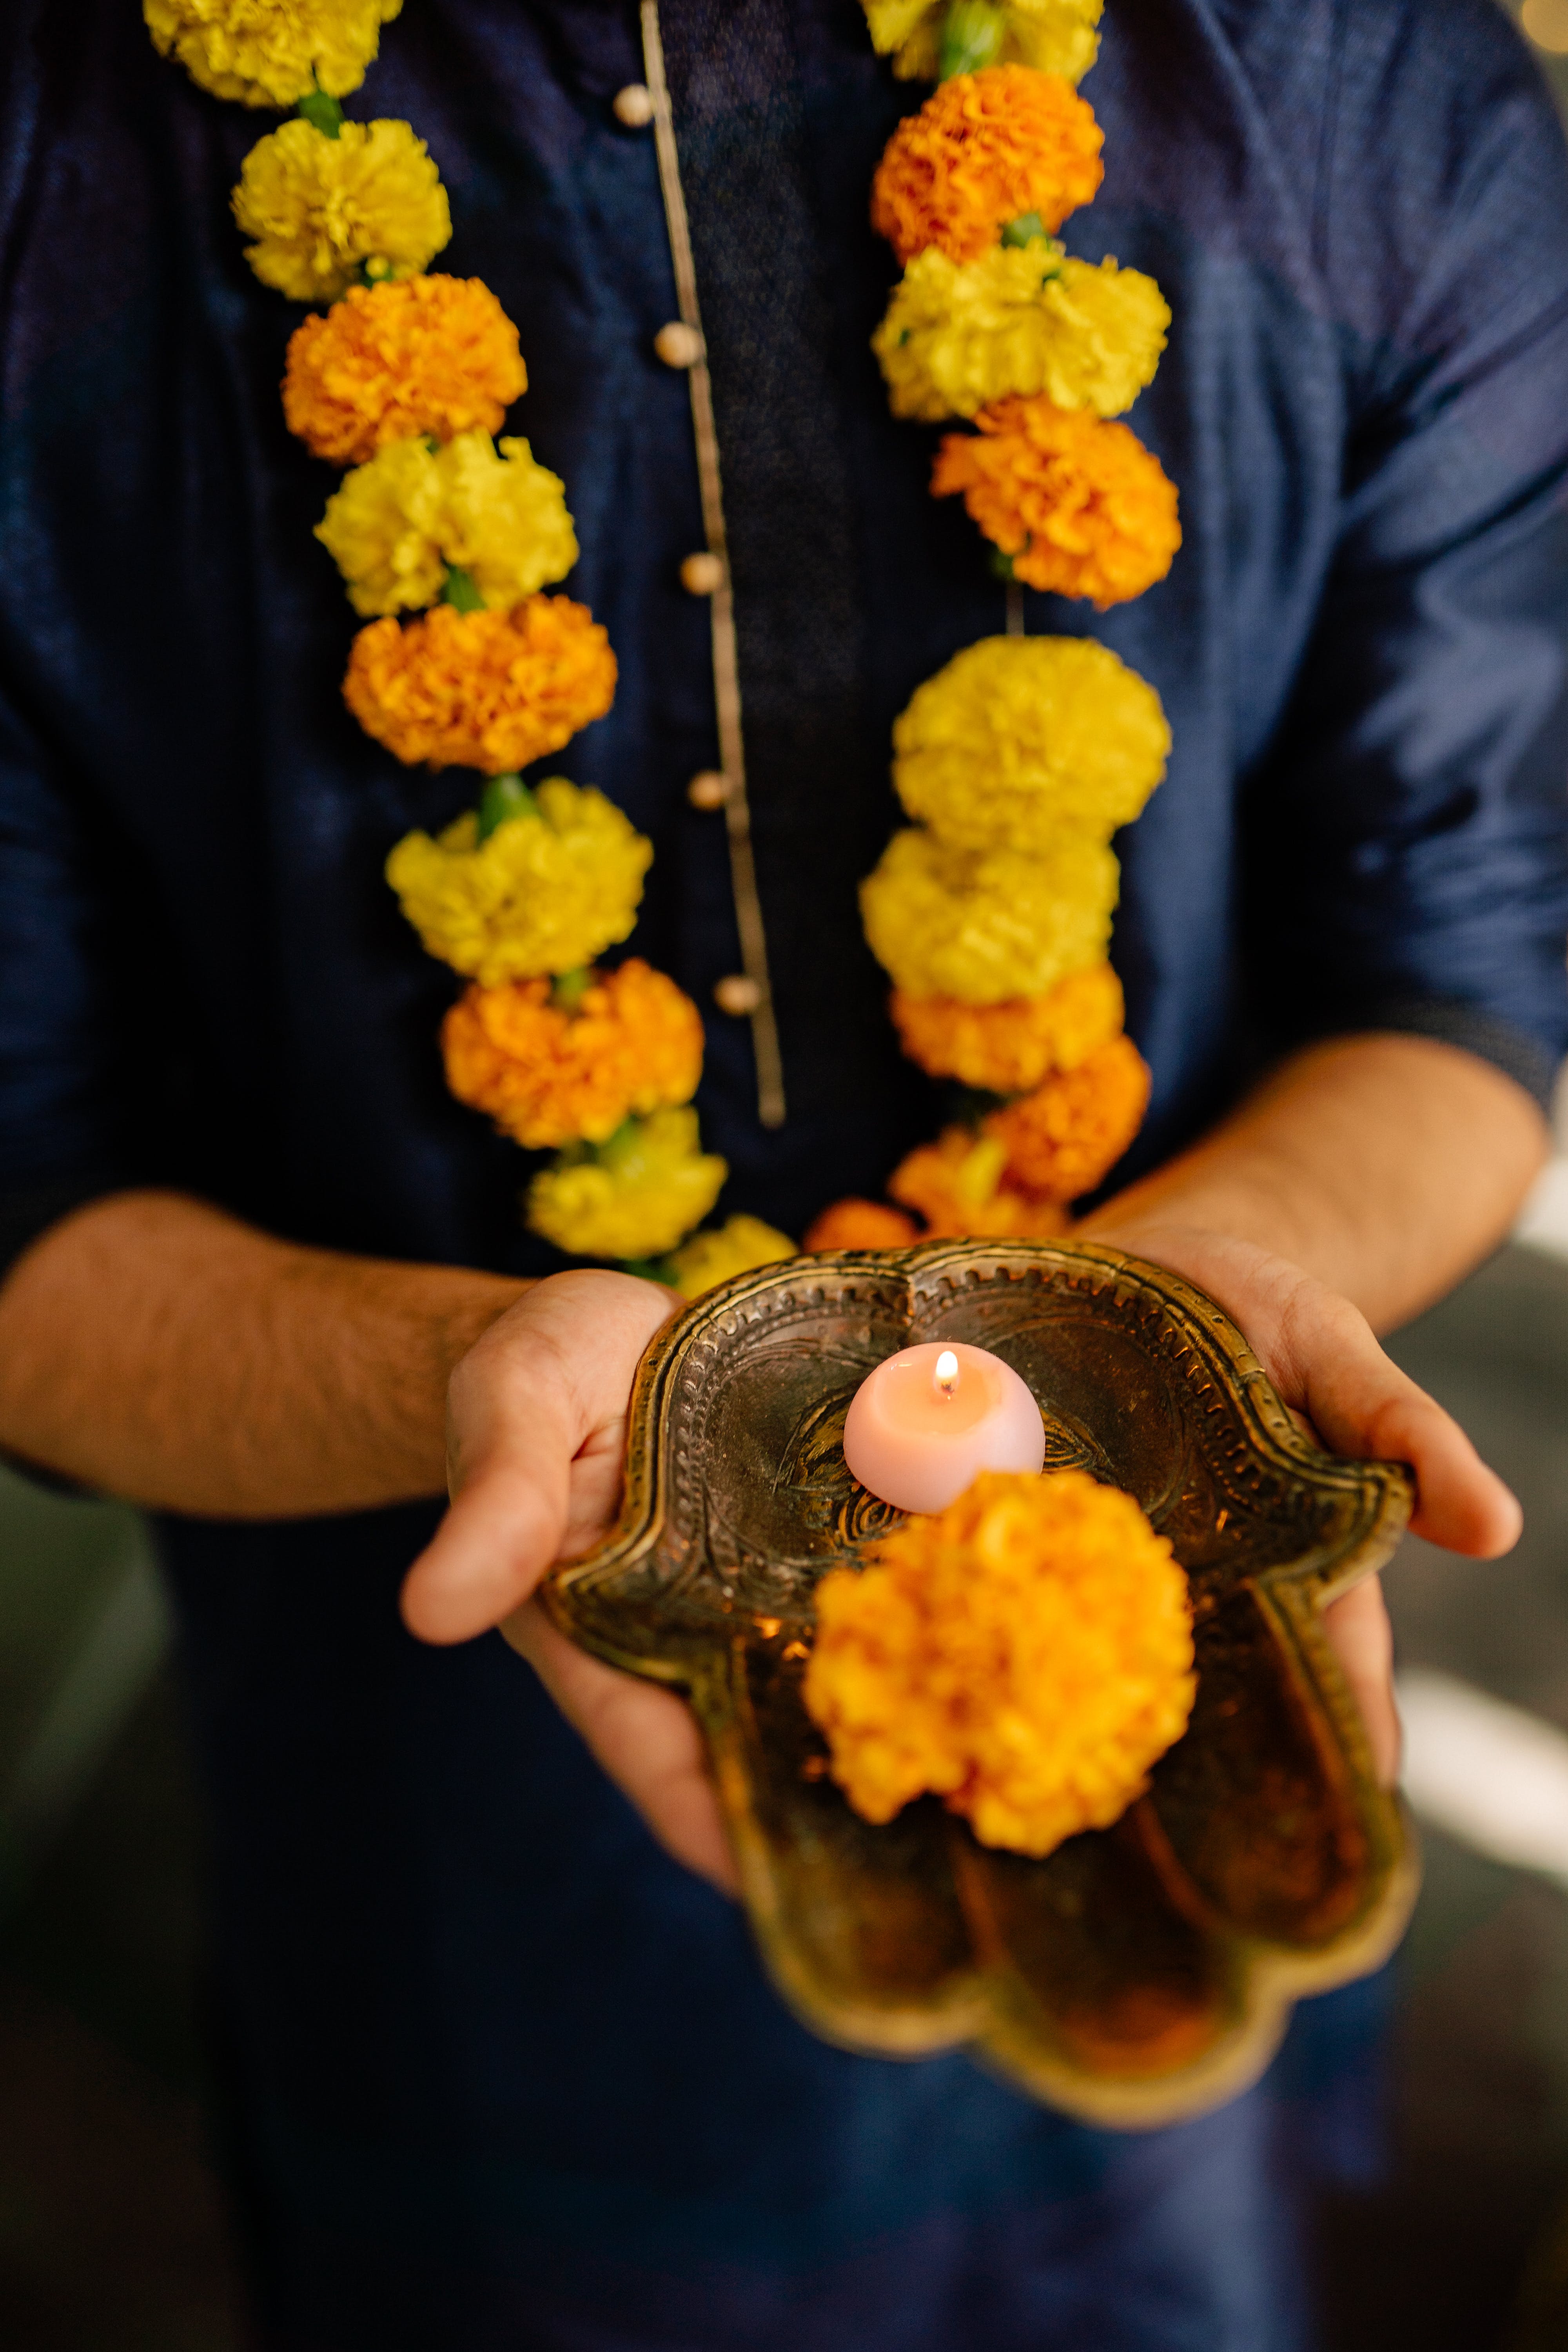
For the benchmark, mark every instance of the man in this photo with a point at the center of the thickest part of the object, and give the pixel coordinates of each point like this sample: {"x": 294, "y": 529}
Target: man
{"x": 501, "y": 2068}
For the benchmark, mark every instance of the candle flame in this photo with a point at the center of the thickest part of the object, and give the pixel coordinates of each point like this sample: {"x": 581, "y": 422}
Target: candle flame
{"x": 947, "y": 1371}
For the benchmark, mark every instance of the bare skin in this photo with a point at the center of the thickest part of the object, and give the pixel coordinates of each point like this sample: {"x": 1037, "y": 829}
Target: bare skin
{"x": 153, "y": 1347}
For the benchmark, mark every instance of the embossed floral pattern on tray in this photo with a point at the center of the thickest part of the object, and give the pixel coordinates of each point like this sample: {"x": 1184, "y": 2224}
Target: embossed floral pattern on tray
{"x": 1141, "y": 1973}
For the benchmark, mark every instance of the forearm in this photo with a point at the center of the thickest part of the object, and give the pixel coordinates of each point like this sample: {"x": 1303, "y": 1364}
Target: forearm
{"x": 154, "y": 1348}
{"x": 1386, "y": 1166}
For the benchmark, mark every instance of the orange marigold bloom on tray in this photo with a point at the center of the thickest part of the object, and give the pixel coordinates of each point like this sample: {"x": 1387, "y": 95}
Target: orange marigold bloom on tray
{"x": 958, "y": 1185}
{"x": 1080, "y": 506}
{"x": 861, "y": 1225}
{"x": 430, "y": 355}
{"x": 1025, "y": 1654}
{"x": 1006, "y": 1048}
{"x": 632, "y": 1044}
{"x": 987, "y": 149}
{"x": 1060, "y": 1140}
{"x": 489, "y": 690}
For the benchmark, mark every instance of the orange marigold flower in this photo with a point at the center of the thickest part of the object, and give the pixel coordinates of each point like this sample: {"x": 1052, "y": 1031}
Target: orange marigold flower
{"x": 958, "y": 1185}
{"x": 433, "y": 354}
{"x": 632, "y": 1044}
{"x": 987, "y": 149}
{"x": 861, "y": 1225}
{"x": 490, "y": 690}
{"x": 1025, "y": 1654}
{"x": 1062, "y": 1140}
{"x": 1080, "y": 506}
{"x": 1007, "y": 1048}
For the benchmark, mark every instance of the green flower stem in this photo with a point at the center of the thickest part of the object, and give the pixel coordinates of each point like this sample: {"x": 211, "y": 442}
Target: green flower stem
{"x": 571, "y": 987}
{"x": 321, "y": 112}
{"x": 1025, "y": 230}
{"x": 459, "y": 590}
{"x": 1001, "y": 565}
{"x": 503, "y": 798}
{"x": 650, "y": 1269}
{"x": 972, "y": 38}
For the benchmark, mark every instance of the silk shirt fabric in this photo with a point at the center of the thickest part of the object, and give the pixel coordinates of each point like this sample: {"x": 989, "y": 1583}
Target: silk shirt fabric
{"x": 498, "y": 2073}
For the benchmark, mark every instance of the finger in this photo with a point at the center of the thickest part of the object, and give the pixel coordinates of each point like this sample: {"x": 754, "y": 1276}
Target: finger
{"x": 1362, "y": 1639}
{"x": 548, "y": 1379}
{"x": 646, "y": 1739}
{"x": 1361, "y": 1404}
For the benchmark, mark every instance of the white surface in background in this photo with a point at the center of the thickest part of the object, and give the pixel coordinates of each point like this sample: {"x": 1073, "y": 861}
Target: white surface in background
{"x": 1543, "y": 1220}
{"x": 1489, "y": 1774}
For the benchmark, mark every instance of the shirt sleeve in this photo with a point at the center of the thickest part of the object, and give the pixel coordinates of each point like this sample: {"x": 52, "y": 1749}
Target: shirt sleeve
{"x": 1407, "y": 833}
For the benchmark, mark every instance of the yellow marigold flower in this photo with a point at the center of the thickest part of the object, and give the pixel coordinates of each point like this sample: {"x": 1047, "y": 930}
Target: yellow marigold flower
{"x": 400, "y": 518}
{"x": 860, "y": 1226}
{"x": 983, "y": 928}
{"x": 958, "y": 1185}
{"x": 381, "y": 530}
{"x": 416, "y": 355}
{"x": 635, "y": 1197}
{"x": 1025, "y": 1654}
{"x": 987, "y": 149}
{"x": 544, "y": 894}
{"x": 1006, "y": 1049}
{"x": 1020, "y": 741}
{"x": 270, "y": 52}
{"x": 1080, "y": 506}
{"x": 1021, "y": 318}
{"x": 740, "y": 1243}
{"x": 1055, "y": 37}
{"x": 1061, "y": 1139}
{"x": 632, "y": 1043}
{"x": 490, "y": 690}
{"x": 323, "y": 209}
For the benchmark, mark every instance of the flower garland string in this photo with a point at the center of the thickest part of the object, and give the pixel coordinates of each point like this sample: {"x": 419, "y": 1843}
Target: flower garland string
{"x": 1017, "y": 763}
{"x": 405, "y": 379}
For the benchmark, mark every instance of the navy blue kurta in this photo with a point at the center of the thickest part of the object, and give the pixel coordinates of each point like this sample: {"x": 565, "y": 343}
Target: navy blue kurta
{"x": 500, "y": 2072}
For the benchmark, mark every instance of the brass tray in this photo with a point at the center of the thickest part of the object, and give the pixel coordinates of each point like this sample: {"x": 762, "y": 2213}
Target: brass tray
{"x": 1139, "y": 1974}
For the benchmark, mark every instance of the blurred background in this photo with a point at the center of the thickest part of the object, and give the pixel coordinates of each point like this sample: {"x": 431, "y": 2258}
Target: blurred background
{"x": 112, "y": 2236}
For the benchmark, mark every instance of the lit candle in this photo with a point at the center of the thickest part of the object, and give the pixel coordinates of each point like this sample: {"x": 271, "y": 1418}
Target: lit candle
{"x": 925, "y": 1422}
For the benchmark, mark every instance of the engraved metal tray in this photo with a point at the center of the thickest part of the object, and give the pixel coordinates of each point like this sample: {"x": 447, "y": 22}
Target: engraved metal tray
{"x": 1139, "y": 1974}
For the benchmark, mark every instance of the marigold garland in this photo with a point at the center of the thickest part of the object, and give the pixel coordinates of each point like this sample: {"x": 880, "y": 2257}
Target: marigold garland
{"x": 488, "y": 690}
{"x": 1009, "y": 1048}
{"x": 547, "y": 1074}
{"x": 413, "y": 356}
{"x": 740, "y": 1244}
{"x": 860, "y": 1226}
{"x": 1028, "y": 318}
{"x": 989, "y": 148}
{"x": 270, "y": 52}
{"x": 408, "y": 513}
{"x": 544, "y": 893}
{"x": 1066, "y": 1136}
{"x": 1079, "y": 505}
{"x": 325, "y": 209}
{"x": 1025, "y": 1654}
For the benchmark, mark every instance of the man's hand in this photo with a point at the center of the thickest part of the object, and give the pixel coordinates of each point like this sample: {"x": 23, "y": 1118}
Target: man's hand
{"x": 536, "y": 1435}
{"x": 1320, "y": 1352}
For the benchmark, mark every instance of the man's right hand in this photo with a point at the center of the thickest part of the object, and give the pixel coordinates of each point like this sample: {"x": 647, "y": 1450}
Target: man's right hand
{"x": 536, "y": 1435}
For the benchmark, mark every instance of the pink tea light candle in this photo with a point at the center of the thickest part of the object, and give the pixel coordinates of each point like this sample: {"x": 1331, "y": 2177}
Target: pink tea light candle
{"x": 927, "y": 1419}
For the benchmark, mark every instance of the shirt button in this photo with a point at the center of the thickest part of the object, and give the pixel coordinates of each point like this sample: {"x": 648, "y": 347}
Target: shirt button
{"x": 737, "y": 994}
{"x": 703, "y": 575}
{"x": 708, "y": 789}
{"x": 678, "y": 345}
{"x": 632, "y": 106}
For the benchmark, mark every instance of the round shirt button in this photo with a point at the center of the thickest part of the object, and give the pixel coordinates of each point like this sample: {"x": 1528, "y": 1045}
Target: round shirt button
{"x": 736, "y": 993}
{"x": 678, "y": 345}
{"x": 632, "y": 106}
{"x": 708, "y": 789}
{"x": 701, "y": 576}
